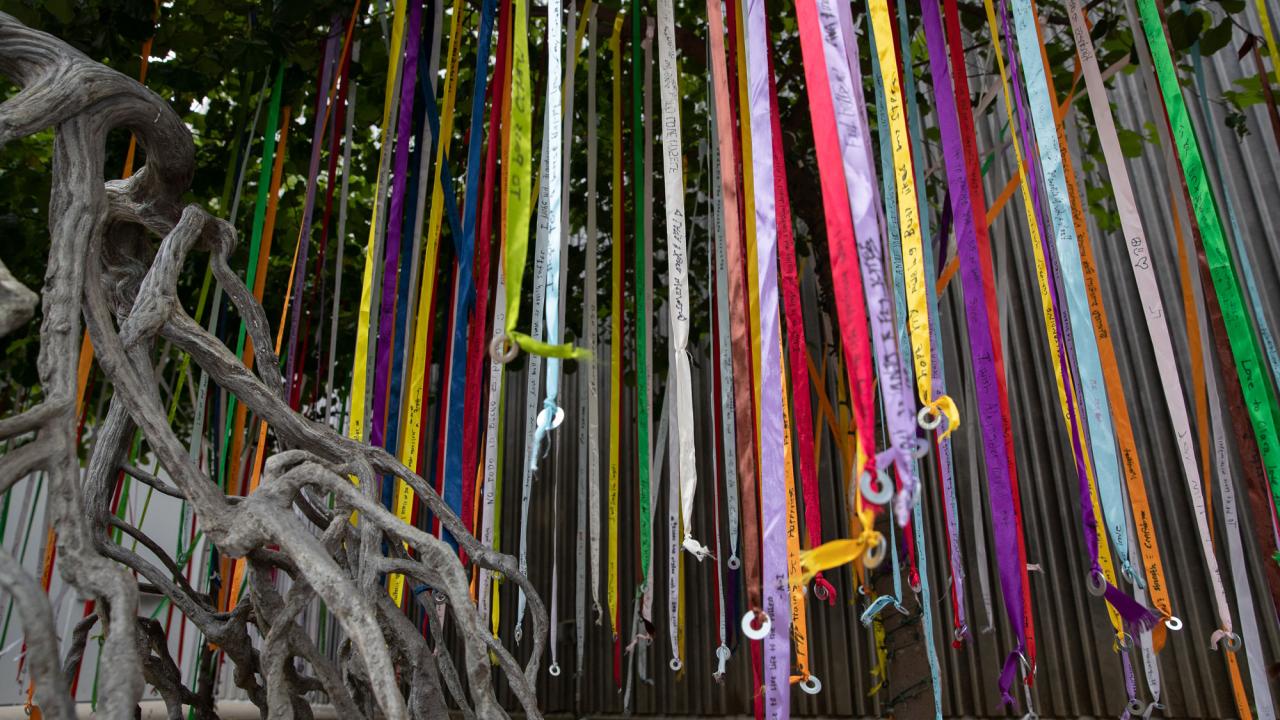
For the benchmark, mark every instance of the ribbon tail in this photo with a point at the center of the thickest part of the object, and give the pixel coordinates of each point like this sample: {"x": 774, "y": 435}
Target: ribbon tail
{"x": 1007, "y": 674}
{"x": 695, "y": 548}
{"x": 1131, "y": 610}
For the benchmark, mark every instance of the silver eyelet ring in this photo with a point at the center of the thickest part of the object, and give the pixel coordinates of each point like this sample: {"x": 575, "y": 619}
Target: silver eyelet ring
{"x": 811, "y": 685}
{"x": 820, "y": 592}
{"x": 734, "y": 563}
{"x": 929, "y": 417}
{"x": 503, "y": 349}
{"x": 439, "y": 597}
{"x": 749, "y": 627}
{"x": 875, "y": 555}
{"x": 1123, "y": 642}
{"x": 554, "y": 670}
{"x": 555, "y": 420}
{"x": 676, "y": 665}
{"x": 1231, "y": 641}
{"x": 1173, "y": 623}
{"x": 879, "y": 496}
{"x": 959, "y": 634}
{"x": 1097, "y": 584}
{"x": 1136, "y": 707}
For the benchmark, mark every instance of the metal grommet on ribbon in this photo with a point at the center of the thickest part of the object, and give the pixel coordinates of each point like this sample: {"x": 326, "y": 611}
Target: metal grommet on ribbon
{"x": 555, "y": 420}
{"x": 1232, "y": 642}
{"x": 929, "y": 417}
{"x": 1173, "y": 622}
{"x": 503, "y": 349}
{"x": 1123, "y": 641}
{"x": 1224, "y": 639}
{"x": 874, "y": 556}
{"x": 1097, "y": 584}
{"x": 811, "y": 685}
{"x": 959, "y": 635}
{"x": 675, "y": 665}
{"x": 879, "y": 495}
{"x": 438, "y": 596}
{"x": 722, "y": 662}
{"x": 756, "y": 624}
{"x": 734, "y": 563}
{"x": 554, "y": 670}
{"x": 1136, "y": 708}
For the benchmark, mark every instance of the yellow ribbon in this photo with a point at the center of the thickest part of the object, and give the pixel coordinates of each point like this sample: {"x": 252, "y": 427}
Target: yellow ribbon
{"x": 404, "y": 498}
{"x": 909, "y": 222}
{"x": 360, "y": 371}
{"x": 615, "y": 341}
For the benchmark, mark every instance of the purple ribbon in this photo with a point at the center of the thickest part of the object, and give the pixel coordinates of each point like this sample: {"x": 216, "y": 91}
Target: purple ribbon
{"x": 991, "y": 416}
{"x": 395, "y": 227}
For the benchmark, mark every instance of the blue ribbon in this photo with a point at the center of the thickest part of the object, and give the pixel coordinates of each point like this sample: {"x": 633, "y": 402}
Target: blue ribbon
{"x": 464, "y": 247}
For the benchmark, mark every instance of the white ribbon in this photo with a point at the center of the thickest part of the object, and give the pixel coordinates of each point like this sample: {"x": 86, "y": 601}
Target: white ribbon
{"x": 1148, "y": 290}
{"x": 1235, "y": 548}
{"x": 685, "y": 463}
{"x": 531, "y": 380}
{"x": 497, "y": 373}
{"x": 673, "y": 437}
{"x": 549, "y": 210}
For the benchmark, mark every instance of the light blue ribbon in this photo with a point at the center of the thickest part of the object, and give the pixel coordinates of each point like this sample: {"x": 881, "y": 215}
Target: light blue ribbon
{"x": 899, "y": 297}
{"x": 1092, "y": 389}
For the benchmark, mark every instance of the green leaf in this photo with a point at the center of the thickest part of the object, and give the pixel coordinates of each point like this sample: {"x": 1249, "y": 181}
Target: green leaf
{"x": 1184, "y": 29}
{"x": 1130, "y": 142}
{"x": 1231, "y": 6}
{"x": 1216, "y": 38}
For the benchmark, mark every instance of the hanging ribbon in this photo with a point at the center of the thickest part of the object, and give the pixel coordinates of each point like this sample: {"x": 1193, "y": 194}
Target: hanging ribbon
{"x": 492, "y": 432}
{"x": 992, "y": 414}
{"x": 840, "y": 133}
{"x": 464, "y": 392}
{"x": 808, "y": 682}
{"x": 772, "y": 489}
{"x": 944, "y": 464}
{"x": 360, "y": 369}
{"x": 1093, "y": 389}
{"x": 235, "y": 411}
{"x": 678, "y": 272}
{"x": 590, "y": 326}
{"x": 1258, "y": 668}
{"x": 542, "y": 250}
{"x": 744, "y": 420}
{"x": 615, "y": 339}
{"x": 895, "y": 384}
{"x": 1259, "y": 399}
{"x": 913, "y": 265}
{"x": 1154, "y": 315}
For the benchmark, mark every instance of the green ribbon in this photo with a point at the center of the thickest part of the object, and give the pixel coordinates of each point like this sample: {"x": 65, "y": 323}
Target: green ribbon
{"x": 642, "y": 380}
{"x": 1251, "y": 372}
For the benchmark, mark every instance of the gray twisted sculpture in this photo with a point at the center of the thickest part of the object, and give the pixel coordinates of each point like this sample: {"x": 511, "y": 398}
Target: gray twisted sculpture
{"x": 116, "y": 251}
